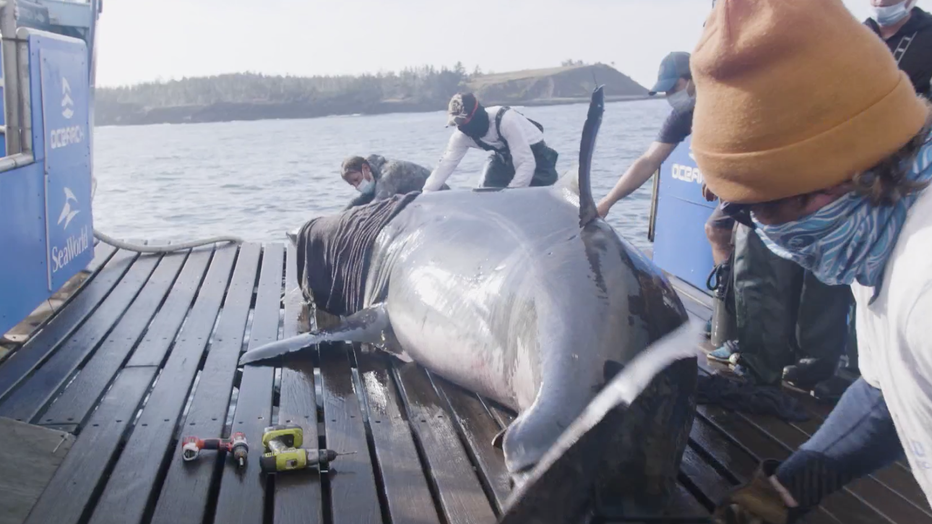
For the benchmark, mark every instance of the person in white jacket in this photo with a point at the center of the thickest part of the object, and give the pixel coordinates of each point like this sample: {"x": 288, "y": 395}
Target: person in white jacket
{"x": 810, "y": 127}
{"x": 520, "y": 157}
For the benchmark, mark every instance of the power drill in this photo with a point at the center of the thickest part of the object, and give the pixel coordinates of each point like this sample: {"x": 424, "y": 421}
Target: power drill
{"x": 283, "y": 443}
{"x": 235, "y": 445}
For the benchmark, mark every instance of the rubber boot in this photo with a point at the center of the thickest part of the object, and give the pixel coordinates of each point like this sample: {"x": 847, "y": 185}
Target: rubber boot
{"x": 808, "y": 372}
{"x": 756, "y": 502}
{"x": 832, "y": 389}
{"x": 767, "y": 290}
{"x": 821, "y": 332}
{"x": 724, "y": 325}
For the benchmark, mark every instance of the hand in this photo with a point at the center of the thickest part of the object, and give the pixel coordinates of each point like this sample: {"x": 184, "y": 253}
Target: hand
{"x": 604, "y": 207}
{"x": 708, "y": 194}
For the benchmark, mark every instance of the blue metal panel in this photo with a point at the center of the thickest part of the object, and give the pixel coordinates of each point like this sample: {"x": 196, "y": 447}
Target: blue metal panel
{"x": 2, "y": 112}
{"x": 23, "y": 270}
{"x": 63, "y": 92}
{"x": 47, "y": 223}
{"x": 680, "y": 244}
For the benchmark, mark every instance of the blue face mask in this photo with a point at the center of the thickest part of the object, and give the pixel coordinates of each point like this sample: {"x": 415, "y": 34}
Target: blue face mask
{"x": 848, "y": 240}
{"x": 366, "y": 187}
{"x": 892, "y": 14}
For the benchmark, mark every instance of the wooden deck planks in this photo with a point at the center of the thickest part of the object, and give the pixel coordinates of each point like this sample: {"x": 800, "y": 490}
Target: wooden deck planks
{"x": 67, "y": 499}
{"x": 478, "y": 428}
{"x": 82, "y": 393}
{"x": 405, "y": 489}
{"x": 353, "y": 494}
{"x": 460, "y": 492}
{"x": 188, "y": 485}
{"x": 297, "y": 496}
{"x": 134, "y": 482}
{"x": 161, "y": 333}
{"x": 32, "y": 395}
{"x": 242, "y": 491}
{"x": 60, "y": 326}
{"x": 423, "y": 445}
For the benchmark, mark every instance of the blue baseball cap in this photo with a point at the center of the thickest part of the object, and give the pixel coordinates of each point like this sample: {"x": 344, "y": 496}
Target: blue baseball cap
{"x": 673, "y": 67}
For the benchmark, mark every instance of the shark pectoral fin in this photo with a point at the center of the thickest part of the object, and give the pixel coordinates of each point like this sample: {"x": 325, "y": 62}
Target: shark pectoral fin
{"x": 366, "y": 326}
{"x": 499, "y": 438}
{"x": 558, "y": 488}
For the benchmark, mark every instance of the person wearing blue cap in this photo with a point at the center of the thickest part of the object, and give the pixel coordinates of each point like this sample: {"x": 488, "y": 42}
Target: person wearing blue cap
{"x": 675, "y": 81}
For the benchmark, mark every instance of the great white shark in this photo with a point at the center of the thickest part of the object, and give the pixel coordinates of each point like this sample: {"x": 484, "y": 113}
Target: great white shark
{"x": 529, "y": 298}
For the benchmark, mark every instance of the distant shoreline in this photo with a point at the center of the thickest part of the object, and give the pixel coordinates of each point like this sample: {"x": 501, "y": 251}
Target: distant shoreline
{"x": 218, "y": 113}
{"x": 247, "y": 97}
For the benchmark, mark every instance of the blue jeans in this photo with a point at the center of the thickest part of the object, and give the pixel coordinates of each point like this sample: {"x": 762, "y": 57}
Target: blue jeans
{"x": 856, "y": 439}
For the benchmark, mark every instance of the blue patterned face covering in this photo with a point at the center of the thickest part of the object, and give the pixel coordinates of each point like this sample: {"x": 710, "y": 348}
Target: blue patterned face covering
{"x": 849, "y": 239}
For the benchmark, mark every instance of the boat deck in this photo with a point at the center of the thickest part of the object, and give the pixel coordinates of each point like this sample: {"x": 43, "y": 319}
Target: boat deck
{"x": 146, "y": 352}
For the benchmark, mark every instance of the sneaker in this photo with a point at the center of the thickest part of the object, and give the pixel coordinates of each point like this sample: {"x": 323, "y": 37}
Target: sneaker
{"x": 808, "y": 372}
{"x": 724, "y": 353}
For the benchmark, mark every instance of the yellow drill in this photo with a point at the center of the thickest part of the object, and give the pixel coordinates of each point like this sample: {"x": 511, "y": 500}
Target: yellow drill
{"x": 283, "y": 443}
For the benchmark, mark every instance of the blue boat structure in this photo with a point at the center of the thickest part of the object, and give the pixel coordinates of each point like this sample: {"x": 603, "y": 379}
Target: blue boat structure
{"x": 97, "y": 396}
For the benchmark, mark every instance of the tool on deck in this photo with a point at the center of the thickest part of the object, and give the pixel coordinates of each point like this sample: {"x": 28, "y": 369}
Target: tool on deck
{"x": 297, "y": 458}
{"x": 283, "y": 443}
{"x": 282, "y": 437}
{"x": 236, "y": 446}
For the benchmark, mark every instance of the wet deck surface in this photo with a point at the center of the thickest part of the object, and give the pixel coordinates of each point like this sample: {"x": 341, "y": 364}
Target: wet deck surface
{"x": 146, "y": 352}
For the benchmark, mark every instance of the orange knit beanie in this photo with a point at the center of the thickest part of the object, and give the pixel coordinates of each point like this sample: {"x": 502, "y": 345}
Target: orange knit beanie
{"x": 794, "y": 96}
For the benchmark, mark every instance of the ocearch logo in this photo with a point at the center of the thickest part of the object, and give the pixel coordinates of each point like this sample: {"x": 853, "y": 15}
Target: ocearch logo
{"x": 67, "y": 104}
{"x": 687, "y": 173}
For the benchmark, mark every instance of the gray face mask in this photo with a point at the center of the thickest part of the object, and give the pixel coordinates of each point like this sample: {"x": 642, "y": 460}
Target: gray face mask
{"x": 681, "y": 100}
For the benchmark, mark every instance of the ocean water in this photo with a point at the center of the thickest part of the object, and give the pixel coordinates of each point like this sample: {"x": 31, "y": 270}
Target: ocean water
{"x": 259, "y": 179}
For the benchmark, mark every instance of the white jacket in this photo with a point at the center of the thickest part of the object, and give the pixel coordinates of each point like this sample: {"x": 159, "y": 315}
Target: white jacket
{"x": 895, "y": 337}
{"x": 518, "y": 131}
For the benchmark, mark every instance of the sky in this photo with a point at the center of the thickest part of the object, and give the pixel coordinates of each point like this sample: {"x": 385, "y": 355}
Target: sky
{"x": 150, "y": 40}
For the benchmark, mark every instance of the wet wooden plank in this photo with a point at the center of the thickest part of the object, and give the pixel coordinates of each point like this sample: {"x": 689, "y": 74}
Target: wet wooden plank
{"x": 185, "y": 493}
{"x": 406, "y": 491}
{"x": 457, "y": 486}
{"x": 886, "y": 501}
{"x": 29, "y": 457}
{"x": 82, "y": 393}
{"x": 734, "y": 463}
{"x": 298, "y": 497}
{"x": 704, "y": 479}
{"x": 67, "y": 498}
{"x": 134, "y": 481}
{"x": 242, "y": 491}
{"x": 354, "y": 498}
{"x": 158, "y": 338}
{"x": 478, "y": 429}
{"x": 842, "y": 505}
{"x": 31, "y": 396}
{"x": 61, "y": 325}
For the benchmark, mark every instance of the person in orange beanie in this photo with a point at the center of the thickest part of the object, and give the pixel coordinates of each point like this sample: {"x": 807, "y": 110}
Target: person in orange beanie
{"x": 803, "y": 120}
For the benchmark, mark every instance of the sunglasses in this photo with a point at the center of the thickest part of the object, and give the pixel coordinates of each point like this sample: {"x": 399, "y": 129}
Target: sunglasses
{"x": 741, "y": 213}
